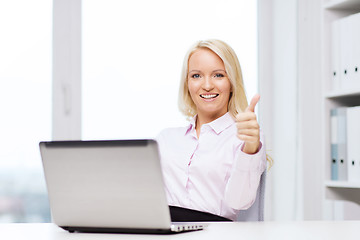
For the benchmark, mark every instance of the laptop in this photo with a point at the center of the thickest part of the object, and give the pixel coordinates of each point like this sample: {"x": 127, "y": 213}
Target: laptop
{"x": 113, "y": 186}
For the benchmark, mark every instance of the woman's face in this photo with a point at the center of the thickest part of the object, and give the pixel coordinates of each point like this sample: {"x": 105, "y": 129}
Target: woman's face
{"x": 208, "y": 83}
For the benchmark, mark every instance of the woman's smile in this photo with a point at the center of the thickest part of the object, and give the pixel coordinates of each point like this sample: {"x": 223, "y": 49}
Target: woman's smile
{"x": 208, "y": 97}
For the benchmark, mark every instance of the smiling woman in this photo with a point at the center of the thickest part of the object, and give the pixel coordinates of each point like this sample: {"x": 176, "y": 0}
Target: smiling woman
{"x": 213, "y": 165}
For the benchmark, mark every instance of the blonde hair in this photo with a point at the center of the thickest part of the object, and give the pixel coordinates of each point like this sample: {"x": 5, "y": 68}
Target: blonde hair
{"x": 238, "y": 101}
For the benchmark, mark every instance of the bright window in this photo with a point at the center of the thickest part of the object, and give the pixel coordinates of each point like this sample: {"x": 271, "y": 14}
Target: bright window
{"x": 25, "y": 98}
{"x": 132, "y": 58}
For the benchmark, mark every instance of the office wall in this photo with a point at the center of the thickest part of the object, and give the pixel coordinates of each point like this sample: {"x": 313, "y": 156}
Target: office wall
{"x": 265, "y": 52}
{"x": 310, "y": 115}
{"x": 289, "y": 80}
{"x": 278, "y": 86}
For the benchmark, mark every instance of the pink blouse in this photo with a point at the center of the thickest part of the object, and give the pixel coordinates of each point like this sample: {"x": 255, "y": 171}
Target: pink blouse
{"x": 210, "y": 173}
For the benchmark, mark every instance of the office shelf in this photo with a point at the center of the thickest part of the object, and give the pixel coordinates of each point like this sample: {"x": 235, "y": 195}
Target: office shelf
{"x": 343, "y": 191}
{"x": 333, "y": 10}
{"x": 342, "y": 184}
{"x": 342, "y": 5}
{"x": 343, "y": 94}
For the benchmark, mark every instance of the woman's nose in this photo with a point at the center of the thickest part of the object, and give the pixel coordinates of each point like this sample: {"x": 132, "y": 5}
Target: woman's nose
{"x": 208, "y": 84}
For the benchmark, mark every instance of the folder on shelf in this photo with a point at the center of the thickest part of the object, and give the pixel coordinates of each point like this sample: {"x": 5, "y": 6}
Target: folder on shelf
{"x": 341, "y": 143}
{"x": 346, "y": 53}
{"x": 356, "y": 52}
{"x": 334, "y": 147}
{"x": 335, "y": 55}
{"x": 353, "y": 143}
{"x": 349, "y": 30}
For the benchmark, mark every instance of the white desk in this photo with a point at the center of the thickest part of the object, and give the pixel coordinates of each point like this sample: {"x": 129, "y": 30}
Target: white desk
{"x": 345, "y": 230}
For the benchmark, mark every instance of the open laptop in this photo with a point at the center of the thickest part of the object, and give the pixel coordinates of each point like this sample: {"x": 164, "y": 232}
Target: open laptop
{"x": 108, "y": 186}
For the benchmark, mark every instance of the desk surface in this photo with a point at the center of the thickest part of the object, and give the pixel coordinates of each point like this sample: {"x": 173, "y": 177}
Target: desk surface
{"x": 239, "y": 230}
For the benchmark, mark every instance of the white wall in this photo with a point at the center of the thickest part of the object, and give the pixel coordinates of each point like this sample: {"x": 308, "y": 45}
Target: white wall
{"x": 278, "y": 86}
{"x": 285, "y": 175}
{"x": 289, "y": 80}
{"x": 310, "y": 114}
{"x": 265, "y": 51}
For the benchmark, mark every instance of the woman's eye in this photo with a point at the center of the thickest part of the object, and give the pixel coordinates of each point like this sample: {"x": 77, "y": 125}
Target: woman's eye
{"x": 219, "y": 75}
{"x": 195, "y": 75}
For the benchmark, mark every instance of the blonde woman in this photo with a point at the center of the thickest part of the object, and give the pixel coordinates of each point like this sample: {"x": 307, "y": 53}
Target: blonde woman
{"x": 212, "y": 167}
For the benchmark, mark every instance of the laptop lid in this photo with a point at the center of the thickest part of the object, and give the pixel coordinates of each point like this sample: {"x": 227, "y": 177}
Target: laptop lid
{"x": 105, "y": 184}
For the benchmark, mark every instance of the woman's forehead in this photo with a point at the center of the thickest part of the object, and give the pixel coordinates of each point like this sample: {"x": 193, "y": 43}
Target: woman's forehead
{"x": 205, "y": 58}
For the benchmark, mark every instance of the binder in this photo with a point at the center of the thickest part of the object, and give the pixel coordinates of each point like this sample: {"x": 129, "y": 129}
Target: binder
{"x": 335, "y": 55}
{"x": 346, "y": 53}
{"x": 356, "y": 52}
{"x": 342, "y": 144}
{"x": 334, "y": 146}
{"x": 353, "y": 143}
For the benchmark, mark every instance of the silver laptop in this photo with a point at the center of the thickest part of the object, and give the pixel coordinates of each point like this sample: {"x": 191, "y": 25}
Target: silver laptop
{"x": 108, "y": 186}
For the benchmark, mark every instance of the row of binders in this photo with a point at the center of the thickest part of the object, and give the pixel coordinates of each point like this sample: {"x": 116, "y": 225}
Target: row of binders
{"x": 345, "y": 144}
{"x": 345, "y": 53}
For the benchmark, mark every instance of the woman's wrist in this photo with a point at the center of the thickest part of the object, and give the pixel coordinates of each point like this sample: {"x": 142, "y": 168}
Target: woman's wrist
{"x": 251, "y": 148}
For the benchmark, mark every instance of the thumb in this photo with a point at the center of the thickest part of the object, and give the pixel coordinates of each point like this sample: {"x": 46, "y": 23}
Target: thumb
{"x": 253, "y": 102}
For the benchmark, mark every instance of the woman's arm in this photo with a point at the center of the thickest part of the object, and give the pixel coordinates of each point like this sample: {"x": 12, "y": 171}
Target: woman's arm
{"x": 241, "y": 188}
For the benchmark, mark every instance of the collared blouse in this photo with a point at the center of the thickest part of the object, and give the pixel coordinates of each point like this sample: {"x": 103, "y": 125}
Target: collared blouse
{"x": 210, "y": 173}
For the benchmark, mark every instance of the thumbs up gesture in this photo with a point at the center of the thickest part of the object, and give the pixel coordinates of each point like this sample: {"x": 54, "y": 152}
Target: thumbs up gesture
{"x": 248, "y": 128}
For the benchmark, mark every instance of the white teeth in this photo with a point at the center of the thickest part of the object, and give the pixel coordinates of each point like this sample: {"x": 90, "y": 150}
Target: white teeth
{"x": 207, "y": 96}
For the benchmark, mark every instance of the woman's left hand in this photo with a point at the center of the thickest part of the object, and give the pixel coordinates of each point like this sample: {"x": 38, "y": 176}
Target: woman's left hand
{"x": 248, "y": 128}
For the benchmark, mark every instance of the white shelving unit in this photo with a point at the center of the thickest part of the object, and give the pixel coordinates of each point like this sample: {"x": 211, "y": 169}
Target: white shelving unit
{"x": 333, "y": 10}
{"x": 341, "y": 5}
{"x": 342, "y": 94}
{"x": 342, "y": 184}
